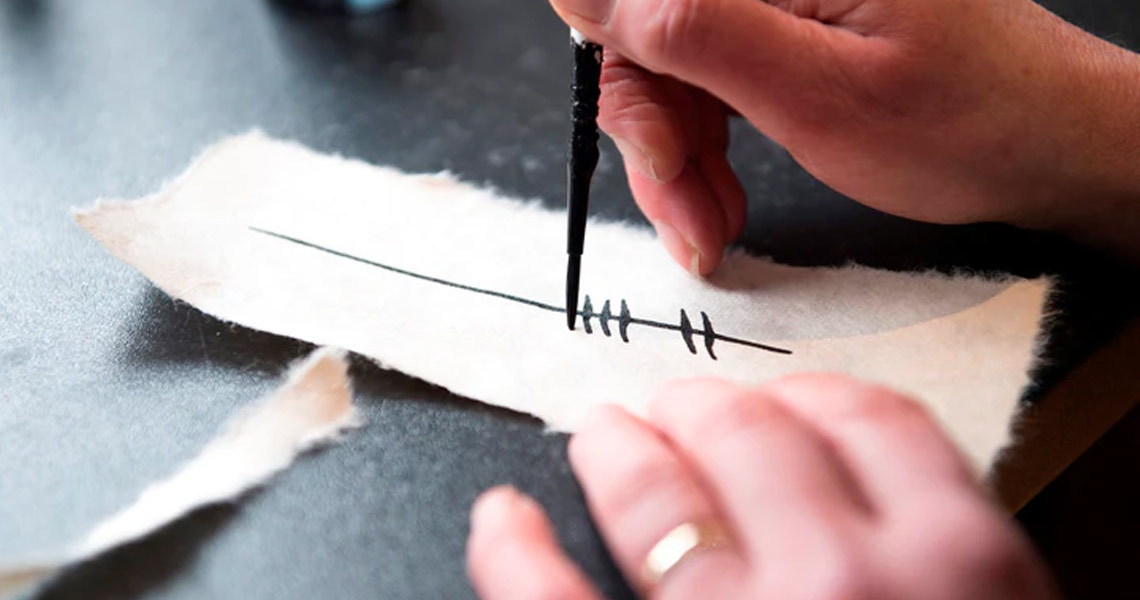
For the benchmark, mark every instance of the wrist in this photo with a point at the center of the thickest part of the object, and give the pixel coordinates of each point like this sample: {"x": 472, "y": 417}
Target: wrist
{"x": 1088, "y": 185}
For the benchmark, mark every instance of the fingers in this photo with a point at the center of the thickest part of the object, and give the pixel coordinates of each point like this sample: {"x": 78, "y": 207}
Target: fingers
{"x": 673, "y": 138}
{"x": 719, "y": 175}
{"x": 649, "y": 117}
{"x": 895, "y": 449}
{"x": 932, "y": 514}
{"x": 774, "y": 475}
{"x": 723, "y": 46}
{"x": 714, "y": 166}
{"x": 689, "y": 221}
{"x": 512, "y": 552}
{"x": 639, "y": 490}
{"x": 819, "y": 506}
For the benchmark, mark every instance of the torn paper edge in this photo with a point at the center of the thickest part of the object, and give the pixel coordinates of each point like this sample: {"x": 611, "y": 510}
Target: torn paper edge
{"x": 313, "y": 407}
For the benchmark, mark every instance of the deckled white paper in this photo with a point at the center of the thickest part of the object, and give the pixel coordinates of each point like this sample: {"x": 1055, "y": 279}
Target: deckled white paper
{"x": 463, "y": 287}
{"x": 312, "y": 407}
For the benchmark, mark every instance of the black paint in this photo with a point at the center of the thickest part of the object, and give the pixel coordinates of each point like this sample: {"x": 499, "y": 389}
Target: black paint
{"x": 687, "y": 332}
{"x": 587, "y": 313}
{"x": 625, "y": 319}
{"x": 411, "y": 274}
{"x": 706, "y": 324}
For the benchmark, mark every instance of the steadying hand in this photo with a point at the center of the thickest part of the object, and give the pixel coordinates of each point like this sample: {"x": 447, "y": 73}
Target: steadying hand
{"x": 811, "y": 488}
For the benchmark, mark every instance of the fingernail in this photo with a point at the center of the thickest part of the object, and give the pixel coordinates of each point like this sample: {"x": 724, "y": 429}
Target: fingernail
{"x": 592, "y": 10}
{"x": 638, "y": 157}
{"x": 695, "y": 265}
{"x": 678, "y": 247}
{"x": 493, "y": 508}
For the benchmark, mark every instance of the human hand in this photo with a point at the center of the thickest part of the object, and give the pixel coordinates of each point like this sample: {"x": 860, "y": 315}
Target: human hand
{"x": 947, "y": 111}
{"x": 827, "y": 487}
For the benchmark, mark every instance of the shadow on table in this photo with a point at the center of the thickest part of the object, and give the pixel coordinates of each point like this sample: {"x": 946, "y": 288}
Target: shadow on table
{"x": 164, "y": 331}
{"x": 171, "y": 335}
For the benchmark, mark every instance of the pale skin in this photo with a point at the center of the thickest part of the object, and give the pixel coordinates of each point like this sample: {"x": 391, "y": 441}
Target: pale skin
{"x": 947, "y": 111}
{"x": 831, "y": 488}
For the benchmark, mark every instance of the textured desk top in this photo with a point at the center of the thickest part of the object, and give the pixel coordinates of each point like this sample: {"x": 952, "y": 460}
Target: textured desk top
{"x": 108, "y": 385}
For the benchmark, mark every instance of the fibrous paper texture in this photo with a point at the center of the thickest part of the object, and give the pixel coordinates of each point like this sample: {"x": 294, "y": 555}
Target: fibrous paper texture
{"x": 312, "y": 407}
{"x": 463, "y": 287}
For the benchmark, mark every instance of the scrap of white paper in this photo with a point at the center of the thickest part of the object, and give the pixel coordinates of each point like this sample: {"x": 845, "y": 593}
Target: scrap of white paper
{"x": 312, "y": 407}
{"x": 463, "y": 287}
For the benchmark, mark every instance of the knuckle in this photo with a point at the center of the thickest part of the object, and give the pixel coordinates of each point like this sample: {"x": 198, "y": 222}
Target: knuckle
{"x": 626, "y": 100}
{"x": 877, "y": 403}
{"x": 737, "y": 411}
{"x": 846, "y": 398}
{"x": 678, "y": 26}
{"x": 623, "y": 81}
{"x": 645, "y": 482}
{"x": 843, "y": 577}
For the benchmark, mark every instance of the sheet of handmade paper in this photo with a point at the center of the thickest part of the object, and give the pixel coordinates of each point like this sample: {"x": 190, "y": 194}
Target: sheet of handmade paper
{"x": 463, "y": 287}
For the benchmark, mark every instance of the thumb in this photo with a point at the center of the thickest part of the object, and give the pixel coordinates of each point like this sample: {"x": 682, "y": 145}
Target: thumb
{"x": 748, "y": 53}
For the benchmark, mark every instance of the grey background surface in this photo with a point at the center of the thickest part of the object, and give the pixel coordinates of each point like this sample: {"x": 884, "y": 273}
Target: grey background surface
{"x": 106, "y": 385}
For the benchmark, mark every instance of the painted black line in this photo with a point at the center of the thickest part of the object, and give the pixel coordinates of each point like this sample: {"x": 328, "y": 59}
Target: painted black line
{"x": 710, "y": 334}
{"x": 624, "y": 318}
{"x": 411, "y": 274}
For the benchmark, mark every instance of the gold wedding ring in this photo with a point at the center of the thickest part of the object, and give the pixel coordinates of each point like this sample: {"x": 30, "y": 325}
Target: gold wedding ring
{"x": 682, "y": 542}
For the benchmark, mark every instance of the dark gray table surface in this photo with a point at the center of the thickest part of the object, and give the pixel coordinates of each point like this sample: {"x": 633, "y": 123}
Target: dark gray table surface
{"x": 106, "y": 384}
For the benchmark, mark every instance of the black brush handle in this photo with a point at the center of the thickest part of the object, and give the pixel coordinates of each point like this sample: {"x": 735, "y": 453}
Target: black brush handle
{"x": 583, "y": 139}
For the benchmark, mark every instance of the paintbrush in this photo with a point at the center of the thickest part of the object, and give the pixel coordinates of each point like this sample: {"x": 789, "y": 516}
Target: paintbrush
{"x": 583, "y": 159}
